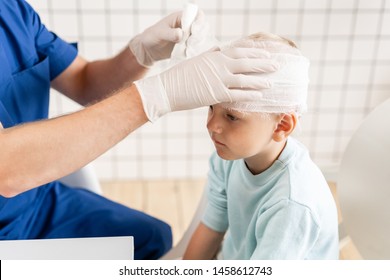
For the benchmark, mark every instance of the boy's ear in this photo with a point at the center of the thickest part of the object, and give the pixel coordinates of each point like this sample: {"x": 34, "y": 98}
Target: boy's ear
{"x": 284, "y": 127}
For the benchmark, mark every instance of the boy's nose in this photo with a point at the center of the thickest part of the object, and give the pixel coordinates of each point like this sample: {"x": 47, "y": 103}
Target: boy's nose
{"x": 213, "y": 125}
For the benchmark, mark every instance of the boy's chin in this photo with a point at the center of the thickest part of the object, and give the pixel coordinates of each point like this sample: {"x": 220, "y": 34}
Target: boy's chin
{"x": 226, "y": 156}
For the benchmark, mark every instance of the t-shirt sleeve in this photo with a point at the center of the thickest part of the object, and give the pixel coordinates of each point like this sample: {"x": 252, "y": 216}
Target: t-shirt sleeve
{"x": 216, "y": 215}
{"x": 60, "y": 53}
{"x": 285, "y": 231}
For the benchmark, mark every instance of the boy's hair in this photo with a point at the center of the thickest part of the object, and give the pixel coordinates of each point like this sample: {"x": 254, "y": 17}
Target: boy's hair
{"x": 264, "y": 36}
{"x": 289, "y": 83}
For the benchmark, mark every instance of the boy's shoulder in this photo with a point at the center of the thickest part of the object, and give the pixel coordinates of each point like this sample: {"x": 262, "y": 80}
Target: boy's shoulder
{"x": 298, "y": 157}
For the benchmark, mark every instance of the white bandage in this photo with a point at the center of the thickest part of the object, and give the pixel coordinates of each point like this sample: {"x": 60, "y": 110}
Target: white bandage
{"x": 189, "y": 14}
{"x": 197, "y": 36}
{"x": 289, "y": 83}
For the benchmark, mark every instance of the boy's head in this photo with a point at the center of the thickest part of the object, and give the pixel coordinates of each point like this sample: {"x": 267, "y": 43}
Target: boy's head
{"x": 290, "y": 82}
{"x": 245, "y": 130}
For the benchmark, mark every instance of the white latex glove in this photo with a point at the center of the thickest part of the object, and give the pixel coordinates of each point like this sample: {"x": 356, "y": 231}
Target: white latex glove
{"x": 157, "y": 42}
{"x": 209, "y": 78}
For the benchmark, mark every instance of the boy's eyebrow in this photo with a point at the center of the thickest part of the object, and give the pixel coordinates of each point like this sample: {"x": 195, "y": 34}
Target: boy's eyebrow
{"x": 235, "y": 113}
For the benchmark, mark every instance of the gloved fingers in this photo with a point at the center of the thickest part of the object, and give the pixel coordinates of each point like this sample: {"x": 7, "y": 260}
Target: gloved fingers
{"x": 251, "y": 65}
{"x": 245, "y": 52}
{"x": 173, "y": 20}
{"x": 246, "y": 44}
{"x": 169, "y": 28}
{"x": 156, "y": 42}
{"x": 248, "y": 82}
{"x": 214, "y": 49}
{"x": 174, "y": 35}
{"x": 272, "y": 46}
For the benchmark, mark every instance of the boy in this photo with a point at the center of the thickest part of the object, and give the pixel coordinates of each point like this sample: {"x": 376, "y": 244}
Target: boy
{"x": 265, "y": 192}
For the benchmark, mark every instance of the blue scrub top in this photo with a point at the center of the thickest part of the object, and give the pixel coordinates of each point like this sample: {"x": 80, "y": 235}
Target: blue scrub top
{"x": 30, "y": 57}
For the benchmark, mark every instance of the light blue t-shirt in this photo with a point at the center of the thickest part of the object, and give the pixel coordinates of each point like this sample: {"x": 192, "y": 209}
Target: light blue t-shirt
{"x": 286, "y": 212}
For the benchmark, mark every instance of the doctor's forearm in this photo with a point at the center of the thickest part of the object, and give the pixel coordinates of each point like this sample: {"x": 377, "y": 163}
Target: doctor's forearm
{"x": 37, "y": 153}
{"x": 89, "y": 82}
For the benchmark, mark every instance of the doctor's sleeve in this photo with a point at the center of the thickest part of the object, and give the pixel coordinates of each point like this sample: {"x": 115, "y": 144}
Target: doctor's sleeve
{"x": 60, "y": 53}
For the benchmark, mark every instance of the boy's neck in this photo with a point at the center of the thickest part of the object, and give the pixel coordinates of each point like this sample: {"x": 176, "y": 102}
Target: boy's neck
{"x": 261, "y": 162}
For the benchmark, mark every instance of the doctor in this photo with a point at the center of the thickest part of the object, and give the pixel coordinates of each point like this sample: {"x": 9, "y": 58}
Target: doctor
{"x": 35, "y": 151}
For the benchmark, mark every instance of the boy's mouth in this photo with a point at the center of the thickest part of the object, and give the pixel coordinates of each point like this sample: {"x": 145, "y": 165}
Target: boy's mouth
{"x": 216, "y": 142}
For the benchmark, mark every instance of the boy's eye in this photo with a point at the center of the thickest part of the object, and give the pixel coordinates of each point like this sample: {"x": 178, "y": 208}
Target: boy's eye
{"x": 210, "y": 110}
{"x": 231, "y": 117}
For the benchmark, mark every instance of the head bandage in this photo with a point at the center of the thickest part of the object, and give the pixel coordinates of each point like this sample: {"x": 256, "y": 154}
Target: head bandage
{"x": 289, "y": 83}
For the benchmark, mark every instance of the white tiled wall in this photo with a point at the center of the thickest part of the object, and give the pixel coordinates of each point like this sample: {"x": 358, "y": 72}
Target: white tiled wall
{"x": 348, "y": 42}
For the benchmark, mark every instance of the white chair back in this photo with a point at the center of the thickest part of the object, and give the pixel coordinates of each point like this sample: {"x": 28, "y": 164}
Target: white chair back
{"x": 364, "y": 185}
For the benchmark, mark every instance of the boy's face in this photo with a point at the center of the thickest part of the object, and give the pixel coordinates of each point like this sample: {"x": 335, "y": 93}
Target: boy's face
{"x": 239, "y": 135}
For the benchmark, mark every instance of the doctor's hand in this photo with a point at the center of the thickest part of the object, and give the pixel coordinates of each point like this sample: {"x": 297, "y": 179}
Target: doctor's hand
{"x": 157, "y": 42}
{"x": 209, "y": 78}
